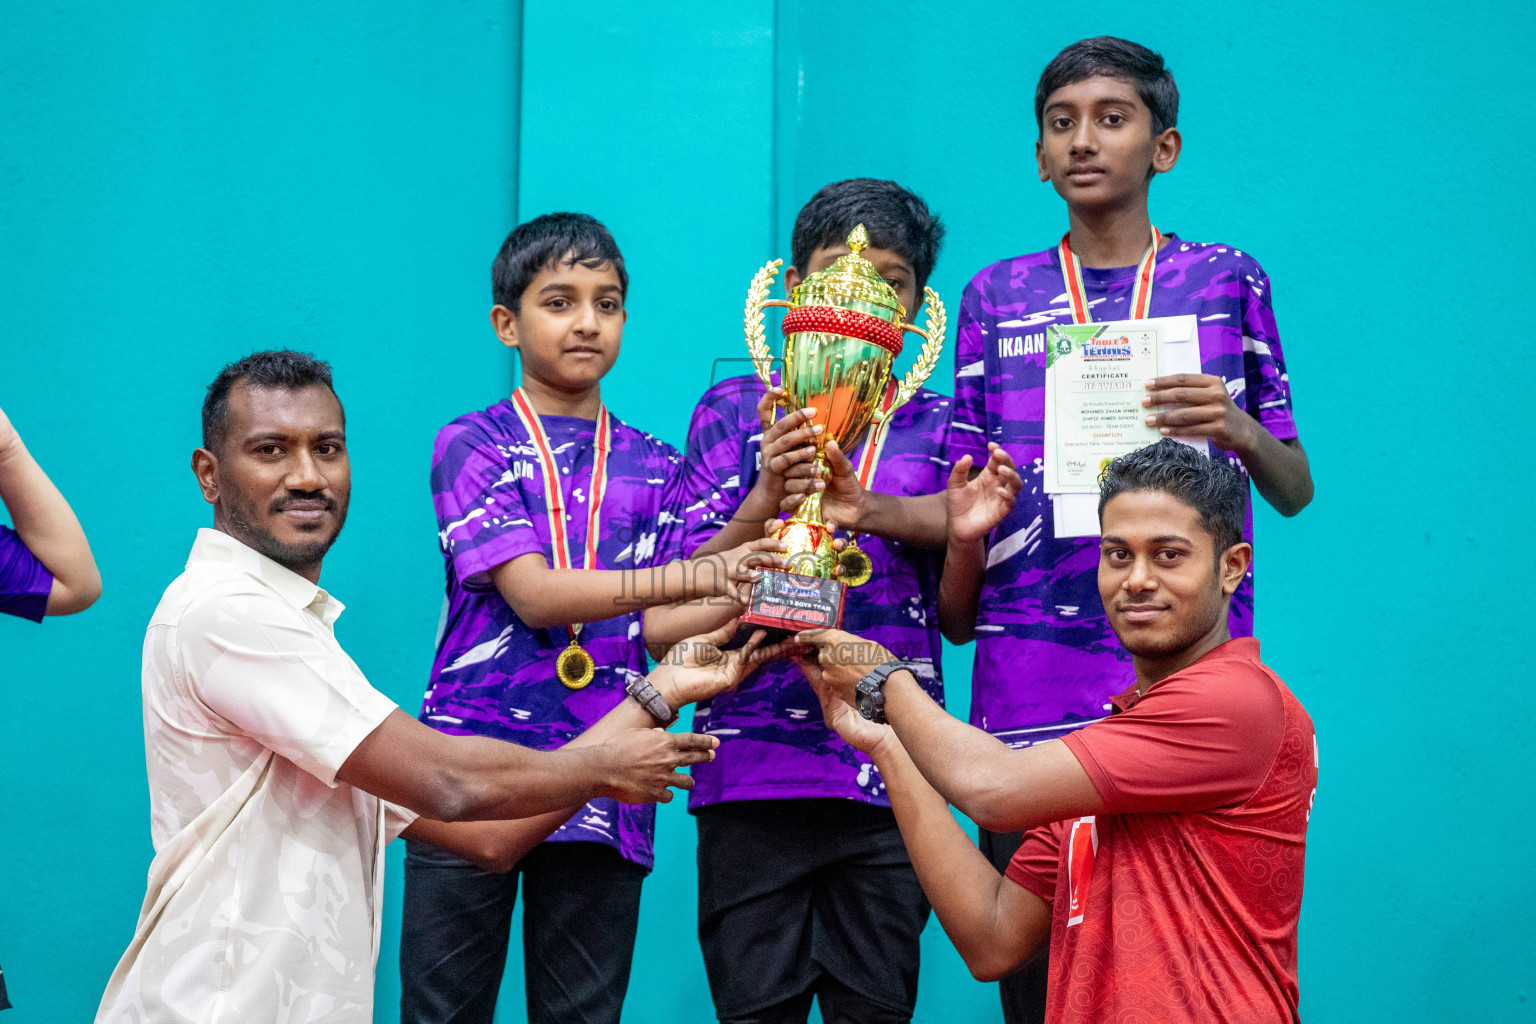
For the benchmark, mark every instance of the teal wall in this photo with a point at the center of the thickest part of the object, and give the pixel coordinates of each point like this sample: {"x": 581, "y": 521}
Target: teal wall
{"x": 182, "y": 183}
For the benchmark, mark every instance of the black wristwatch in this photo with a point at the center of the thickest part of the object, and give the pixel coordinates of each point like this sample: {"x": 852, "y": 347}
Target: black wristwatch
{"x": 870, "y": 693}
{"x": 648, "y": 697}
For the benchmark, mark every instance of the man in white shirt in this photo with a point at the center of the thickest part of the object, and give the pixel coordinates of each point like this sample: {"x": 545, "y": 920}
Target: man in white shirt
{"x": 277, "y": 774}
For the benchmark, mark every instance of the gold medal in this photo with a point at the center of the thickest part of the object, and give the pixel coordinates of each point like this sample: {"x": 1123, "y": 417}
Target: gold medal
{"x": 855, "y": 565}
{"x": 574, "y": 666}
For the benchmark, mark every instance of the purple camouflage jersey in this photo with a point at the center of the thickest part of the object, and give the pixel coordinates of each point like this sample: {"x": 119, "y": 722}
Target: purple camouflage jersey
{"x": 773, "y": 743}
{"x": 1047, "y": 661}
{"x": 24, "y": 583}
{"x": 493, "y": 675}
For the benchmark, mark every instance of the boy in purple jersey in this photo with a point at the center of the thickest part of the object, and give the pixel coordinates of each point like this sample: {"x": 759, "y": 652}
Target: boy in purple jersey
{"x": 559, "y": 286}
{"x": 46, "y": 566}
{"x": 805, "y": 888}
{"x": 1047, "y": 661}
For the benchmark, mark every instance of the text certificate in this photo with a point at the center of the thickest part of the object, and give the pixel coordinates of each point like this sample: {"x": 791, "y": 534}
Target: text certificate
{"x": 1095, "y": 379}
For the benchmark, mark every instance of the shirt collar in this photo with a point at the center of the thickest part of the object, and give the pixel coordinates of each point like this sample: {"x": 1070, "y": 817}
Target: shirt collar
{"x": 1246, "y": 647}
{"x": 218, "y": 546}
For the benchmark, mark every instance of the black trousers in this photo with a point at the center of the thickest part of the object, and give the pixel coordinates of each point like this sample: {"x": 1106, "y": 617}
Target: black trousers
{"x": 1023, "y": 991}
{"x": 808, "y": 899}
{"x": 581, "y": 906}
{"x": 5, "y": 1004}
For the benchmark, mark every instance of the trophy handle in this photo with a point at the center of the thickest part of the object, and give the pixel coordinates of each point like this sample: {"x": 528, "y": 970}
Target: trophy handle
{"x": 928, "y": 358}
{"x": 757, "y": 300}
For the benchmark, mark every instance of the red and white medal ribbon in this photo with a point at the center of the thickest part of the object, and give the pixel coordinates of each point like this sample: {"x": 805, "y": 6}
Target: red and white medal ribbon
{"x": 856, "y": 564}
{"x": 876, "y": 440}
{"x": 1141, "y": 294}
{"x": 554, "y": 498}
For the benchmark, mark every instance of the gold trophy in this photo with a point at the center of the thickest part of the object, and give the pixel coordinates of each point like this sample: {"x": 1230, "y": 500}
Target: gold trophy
{"x": 842, "y": 334}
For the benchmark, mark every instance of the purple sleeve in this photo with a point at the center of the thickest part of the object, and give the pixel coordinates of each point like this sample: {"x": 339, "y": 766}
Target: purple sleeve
{"x": 24, "y": 583}
{"x": 481, "y": 519}
{"x": 1269, "y": 387}
{"x": 671, "y": 524}
{"x": 968, "y": 428}
{"x": 712, "y": 483}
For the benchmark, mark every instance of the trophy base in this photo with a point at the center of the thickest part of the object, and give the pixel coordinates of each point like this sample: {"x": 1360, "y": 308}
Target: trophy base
{"x": 792, "y": 602}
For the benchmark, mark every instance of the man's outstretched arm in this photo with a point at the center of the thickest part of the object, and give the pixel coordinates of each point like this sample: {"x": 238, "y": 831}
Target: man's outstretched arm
{"x": 498, "y": 845}
{"x": 697, "y": 670}
{"x": 472, "y": 778}
{"x": 994, "y": 923}
{"x": 47, "y": 526}
{"x": 1000, "y": 789}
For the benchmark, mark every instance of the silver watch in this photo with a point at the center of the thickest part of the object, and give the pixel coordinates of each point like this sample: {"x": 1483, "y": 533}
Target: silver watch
{"x": 648, "y": 697}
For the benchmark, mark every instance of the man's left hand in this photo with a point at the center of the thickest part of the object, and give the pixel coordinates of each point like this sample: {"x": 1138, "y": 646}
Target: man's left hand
{"x": 1207, "y": 411}
{"x": 856, "y": 730}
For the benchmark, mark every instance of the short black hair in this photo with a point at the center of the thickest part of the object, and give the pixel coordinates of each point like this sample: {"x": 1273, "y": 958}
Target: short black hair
{"x": 279, "y": 368}
{"x": 895, "y": 218}
{"x": 1209, "y": 486}
{"x": 535, "y": 245}
{"x": 1113, "y": 58}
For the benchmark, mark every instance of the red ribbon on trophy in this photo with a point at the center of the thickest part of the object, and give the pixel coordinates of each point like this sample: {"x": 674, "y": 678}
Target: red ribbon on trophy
{"x": 853, "y": 561}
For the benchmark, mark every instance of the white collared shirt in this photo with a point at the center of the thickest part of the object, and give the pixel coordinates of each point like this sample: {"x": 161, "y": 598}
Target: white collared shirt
{"x": 265, "y": 891}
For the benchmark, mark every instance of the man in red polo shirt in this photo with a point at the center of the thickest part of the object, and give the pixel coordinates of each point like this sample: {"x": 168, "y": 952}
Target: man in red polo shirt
{"x": 1164, "y": 845}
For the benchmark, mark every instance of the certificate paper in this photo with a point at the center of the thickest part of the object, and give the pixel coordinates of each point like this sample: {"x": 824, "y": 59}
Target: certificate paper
{"x": 1095, "y": 379}
{"x": 1075, "y": 512}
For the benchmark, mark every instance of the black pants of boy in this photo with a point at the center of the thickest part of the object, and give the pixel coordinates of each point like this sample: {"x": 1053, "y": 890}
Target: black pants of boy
{"x": 581, "y": 906}
{"x": 808, "y": 898}
{"x": 1023, "y": 991}
{"x": 5, "y": 1004}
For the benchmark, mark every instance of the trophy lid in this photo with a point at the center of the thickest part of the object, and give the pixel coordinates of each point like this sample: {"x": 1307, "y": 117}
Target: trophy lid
{"x": 851, "y": 282}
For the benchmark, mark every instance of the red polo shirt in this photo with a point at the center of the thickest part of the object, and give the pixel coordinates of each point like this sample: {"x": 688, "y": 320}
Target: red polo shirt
{"x": 1180, "y": 902}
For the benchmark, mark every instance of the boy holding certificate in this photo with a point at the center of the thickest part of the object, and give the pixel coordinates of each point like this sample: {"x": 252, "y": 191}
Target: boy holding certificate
{"x": 1047, "y": 661}
{"x": 553, "y": 522}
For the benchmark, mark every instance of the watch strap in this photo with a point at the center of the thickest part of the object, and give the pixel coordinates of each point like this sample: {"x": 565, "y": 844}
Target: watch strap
{"x": 872, "y": 686}
{"x": 648, "y": 697}
{"x": 883, "y": 672}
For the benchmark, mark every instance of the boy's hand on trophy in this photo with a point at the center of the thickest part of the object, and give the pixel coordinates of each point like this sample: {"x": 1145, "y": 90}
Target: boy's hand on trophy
{"x": 745, "y": 562}
{"x": 842, "y": 496}
{"x": 697, "y": 668}
{"x": 768, "y": 405}
{"x": 1197, "y": 405}
{"x": 976, "y": 505}
{"x": 786, "y": 444}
